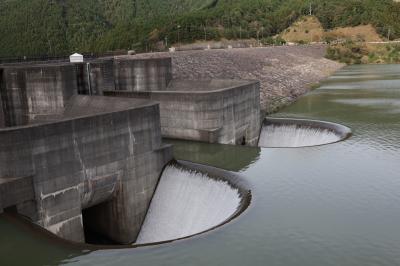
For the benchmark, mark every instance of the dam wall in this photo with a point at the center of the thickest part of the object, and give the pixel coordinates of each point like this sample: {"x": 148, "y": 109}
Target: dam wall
{"x": 95, "y": 76}
{"x": 15, "y": 191}
{"x": 30, "y": 92}
{"x": 45, "y": 81}
{"x": 214, "y": 111}
{"x": 103, "y": 158}
{"x": 2, "y": 115}
{"x": 150, "y": 74}
{"x": 79, "y": 163}
{"x": 123, "y": 73}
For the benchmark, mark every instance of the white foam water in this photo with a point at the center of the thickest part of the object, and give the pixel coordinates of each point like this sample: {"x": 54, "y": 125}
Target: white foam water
{"x": 295, "y": 136}
{"x": 186, "y": 203}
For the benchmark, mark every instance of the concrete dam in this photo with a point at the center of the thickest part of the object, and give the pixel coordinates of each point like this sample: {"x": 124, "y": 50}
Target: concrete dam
{"x": 74, "y": 161}
{"x": 91, "y": 158}
{"x": 214, "y": 111}
{"x": 82, "y": 154}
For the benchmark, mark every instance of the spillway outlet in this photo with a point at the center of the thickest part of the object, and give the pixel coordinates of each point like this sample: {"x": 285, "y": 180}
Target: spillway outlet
{"x": 293, "y": 133}
{"x": 191, "y": 199}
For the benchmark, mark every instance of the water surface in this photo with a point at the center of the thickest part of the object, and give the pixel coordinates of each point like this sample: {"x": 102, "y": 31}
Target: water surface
{"x": 337, "y": 204}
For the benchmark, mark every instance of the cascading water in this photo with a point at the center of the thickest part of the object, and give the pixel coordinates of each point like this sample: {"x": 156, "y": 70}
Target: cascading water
{"x": 186, "y": 203}
{"x": 282, "y": 135}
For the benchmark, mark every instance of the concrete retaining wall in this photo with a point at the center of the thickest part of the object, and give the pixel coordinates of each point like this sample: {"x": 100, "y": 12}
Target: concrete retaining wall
{"x": 95, "y": 76}
{"x": 15, "y": 191}
{"x": 198, "y": 111}
{"x": 32, "y": 91}
{"x": 109, "y": 158}
{"x": 132, "y": 74}
{"x": 2, "y": 115}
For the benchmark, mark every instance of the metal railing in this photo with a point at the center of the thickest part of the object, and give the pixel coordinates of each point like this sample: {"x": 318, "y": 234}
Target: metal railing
{"x": 60, "y": 58}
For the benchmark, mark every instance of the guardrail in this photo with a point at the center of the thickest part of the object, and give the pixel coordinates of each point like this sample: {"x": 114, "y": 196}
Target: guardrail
{"x": 60, "y": 58}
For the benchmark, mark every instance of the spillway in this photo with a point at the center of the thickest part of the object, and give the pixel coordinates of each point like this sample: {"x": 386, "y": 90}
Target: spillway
{"x": 300, "y": 133}
{"x": 187, "y": 202}
{"x": 295, "y": 136}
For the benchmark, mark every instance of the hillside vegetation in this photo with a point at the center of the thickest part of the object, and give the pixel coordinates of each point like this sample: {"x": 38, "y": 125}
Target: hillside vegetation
{"x": 59, "y": 27}
{"x": 351, "y": 52}
{"x": 351, "y": 45}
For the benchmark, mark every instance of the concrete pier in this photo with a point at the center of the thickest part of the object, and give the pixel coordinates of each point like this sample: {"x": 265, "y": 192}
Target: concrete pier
{"x": 95, "y": 76}
{"x": 135, "y": 74}
{"x": 29, "y": 92}
{"x": 214, "y": 111}
{"x": 103, "y": 155}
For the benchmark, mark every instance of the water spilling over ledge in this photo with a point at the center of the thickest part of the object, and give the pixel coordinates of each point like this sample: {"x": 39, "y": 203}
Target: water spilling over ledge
{"x": 190, "y": 199}
{"x": 186, "y": 203}
{"x": 291, "y": 133}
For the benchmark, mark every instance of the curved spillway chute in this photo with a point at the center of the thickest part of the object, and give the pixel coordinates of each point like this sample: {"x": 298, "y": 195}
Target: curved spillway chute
{"x": 192, "y": 199}
{"x": 292, "y": 133}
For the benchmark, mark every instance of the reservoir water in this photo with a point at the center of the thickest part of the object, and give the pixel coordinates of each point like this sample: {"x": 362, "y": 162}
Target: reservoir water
{"x": 336, "y": 204}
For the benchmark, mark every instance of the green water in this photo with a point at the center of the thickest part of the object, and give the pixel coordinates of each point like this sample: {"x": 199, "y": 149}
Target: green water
{"x": 337, "y": 204}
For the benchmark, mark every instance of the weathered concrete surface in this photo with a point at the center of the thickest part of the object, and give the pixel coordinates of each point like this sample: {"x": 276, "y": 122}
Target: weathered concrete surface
{"x": 215, "y": 111}
{"x": 284, "y": 72}
{"x": 30, "y": 92}
{"x": 105, "y": 151}
{"x": 132, "y": 74}
{"x": 95, "y": 76}
{"x": 2, "y": 115}
{"x": 15, "y": 191}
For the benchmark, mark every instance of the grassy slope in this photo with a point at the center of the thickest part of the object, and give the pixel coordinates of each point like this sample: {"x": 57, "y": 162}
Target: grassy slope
{"x": 362, "y": 32}
{"x": 307, "y": 29}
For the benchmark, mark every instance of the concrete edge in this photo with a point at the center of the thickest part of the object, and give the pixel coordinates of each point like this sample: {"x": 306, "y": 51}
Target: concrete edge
{"x": 244, "y": 84}
{"x": 143, "y": 105}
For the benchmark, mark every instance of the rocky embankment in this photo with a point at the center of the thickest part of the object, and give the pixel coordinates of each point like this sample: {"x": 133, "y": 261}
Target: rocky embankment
{"x": 285, "y": 72}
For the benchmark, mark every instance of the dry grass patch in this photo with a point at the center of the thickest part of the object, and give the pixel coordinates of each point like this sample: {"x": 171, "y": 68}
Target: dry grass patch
{"x": 365, "y": 33}
{"x": 306, "y": 29}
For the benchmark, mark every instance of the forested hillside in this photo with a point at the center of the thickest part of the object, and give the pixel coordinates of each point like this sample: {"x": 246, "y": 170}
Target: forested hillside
{"x": 58, "y": 27}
